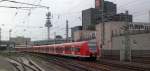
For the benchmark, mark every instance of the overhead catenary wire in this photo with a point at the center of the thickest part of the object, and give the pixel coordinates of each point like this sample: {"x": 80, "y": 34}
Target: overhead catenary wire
{"x": 17, "y": 7}
{"x": 3, "y": 0}
{"x": 27, "y": 4}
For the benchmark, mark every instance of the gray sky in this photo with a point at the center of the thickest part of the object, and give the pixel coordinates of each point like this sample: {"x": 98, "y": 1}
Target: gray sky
{"x": 28, "y": 22}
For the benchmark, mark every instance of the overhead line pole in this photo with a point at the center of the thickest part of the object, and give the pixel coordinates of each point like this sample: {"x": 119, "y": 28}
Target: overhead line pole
{"x": 67, "y": 30}
{"x": 9, "y": 48}
{"x": 102, "y": 26}
{"x": 127, "y": 40}
{"x": 103, "y": 23}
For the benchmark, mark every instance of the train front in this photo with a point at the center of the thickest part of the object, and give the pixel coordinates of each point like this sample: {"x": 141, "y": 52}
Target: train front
{"x": 93, "y": 49}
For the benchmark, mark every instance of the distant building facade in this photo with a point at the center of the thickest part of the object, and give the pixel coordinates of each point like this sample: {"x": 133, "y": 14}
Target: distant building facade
{"x": 84, "y": 35}
{"x": 110, "y": 9}
{"x": 122, "y": 17}
{"x": 92, "y": 16}
{"x": 21, "y": 41}
{"x": 74, "y": 29}
{"x": 89, "y": 18}
{"x": 6, "y": 45}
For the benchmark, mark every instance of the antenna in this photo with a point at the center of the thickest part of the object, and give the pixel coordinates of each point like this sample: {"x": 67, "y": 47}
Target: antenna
{"x": 48, "y": 24}
{"x": 67, "y": 27}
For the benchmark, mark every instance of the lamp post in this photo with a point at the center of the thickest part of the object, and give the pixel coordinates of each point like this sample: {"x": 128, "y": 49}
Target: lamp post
{"x": 125, "y": 51}
{"x": 67, "y": 30}
{"x": 10, "y": 34}
{"x": 0, "y": 36}
{"x": 55, "y": 38}
{"x": 10, "y": 30}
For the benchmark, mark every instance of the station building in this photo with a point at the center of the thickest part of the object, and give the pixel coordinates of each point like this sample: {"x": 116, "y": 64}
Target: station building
{"x": 21, "y": 42}
{"x": 139, "y": 35}
{"x": 6, "y": 45}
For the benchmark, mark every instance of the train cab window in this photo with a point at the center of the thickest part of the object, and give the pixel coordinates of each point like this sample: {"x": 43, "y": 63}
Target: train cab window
{"x": 92, "y": 46}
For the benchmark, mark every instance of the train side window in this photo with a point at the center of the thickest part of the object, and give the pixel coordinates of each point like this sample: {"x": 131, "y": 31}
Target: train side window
{"x": 77, "y": 49}
{"x": 47, "y": 49}
{"x": 67, "y": 48}
{"x": 72, "y": 48}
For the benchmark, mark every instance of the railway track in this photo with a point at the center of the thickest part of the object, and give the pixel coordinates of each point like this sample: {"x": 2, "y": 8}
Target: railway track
{"x": 77, "y": 65}
{"x": 24, "y": 64}
{"x": 95, "y": 66}
{"x": 67, "y": 65}
{"x": 74, "y": 65}
{"x": 128, "y": 65}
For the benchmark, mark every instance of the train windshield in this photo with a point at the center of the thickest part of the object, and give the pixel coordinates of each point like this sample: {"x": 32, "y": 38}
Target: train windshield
{"x": 92, "y": 46}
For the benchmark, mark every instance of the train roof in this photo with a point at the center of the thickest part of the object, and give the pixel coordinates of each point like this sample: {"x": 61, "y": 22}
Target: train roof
{"x": 65, "y": 44}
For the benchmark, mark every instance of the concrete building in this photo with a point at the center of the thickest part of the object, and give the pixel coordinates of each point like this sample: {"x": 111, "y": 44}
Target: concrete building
{"x": 110, "y": 9}
{"x": 74, "y": 29}
{"x": 6, "y": 45}
{"x": 84, "y": 35}
{"x": 121, "y": 17}
{"x": 139, "y": 35}
{"x": 90, "y": 18}
{"x": 21, "y": 41}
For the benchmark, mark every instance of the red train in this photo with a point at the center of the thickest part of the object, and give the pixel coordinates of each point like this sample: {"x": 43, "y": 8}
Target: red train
{"x": 82, "y": 49}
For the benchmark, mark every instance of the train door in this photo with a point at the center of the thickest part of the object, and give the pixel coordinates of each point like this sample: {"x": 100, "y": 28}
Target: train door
{"x": 63, "y": 47}
{"x": 51, "y": 50}
{"x": 73, "y": 50}
{"x": 42, "y": 48}
{"x": 57, "y": 49}
{"x": 47, "y": 49}
{"x": 67, "y": 49}
{"x": 77, "y": 50}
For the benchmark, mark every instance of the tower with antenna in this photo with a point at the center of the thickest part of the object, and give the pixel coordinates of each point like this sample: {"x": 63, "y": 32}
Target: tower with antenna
{"x": 48, "y": 24}
{"x": 67, "y": 31}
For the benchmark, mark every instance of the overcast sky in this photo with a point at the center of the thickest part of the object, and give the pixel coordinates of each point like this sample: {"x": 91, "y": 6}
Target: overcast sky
{"x": 30, "y": 23}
